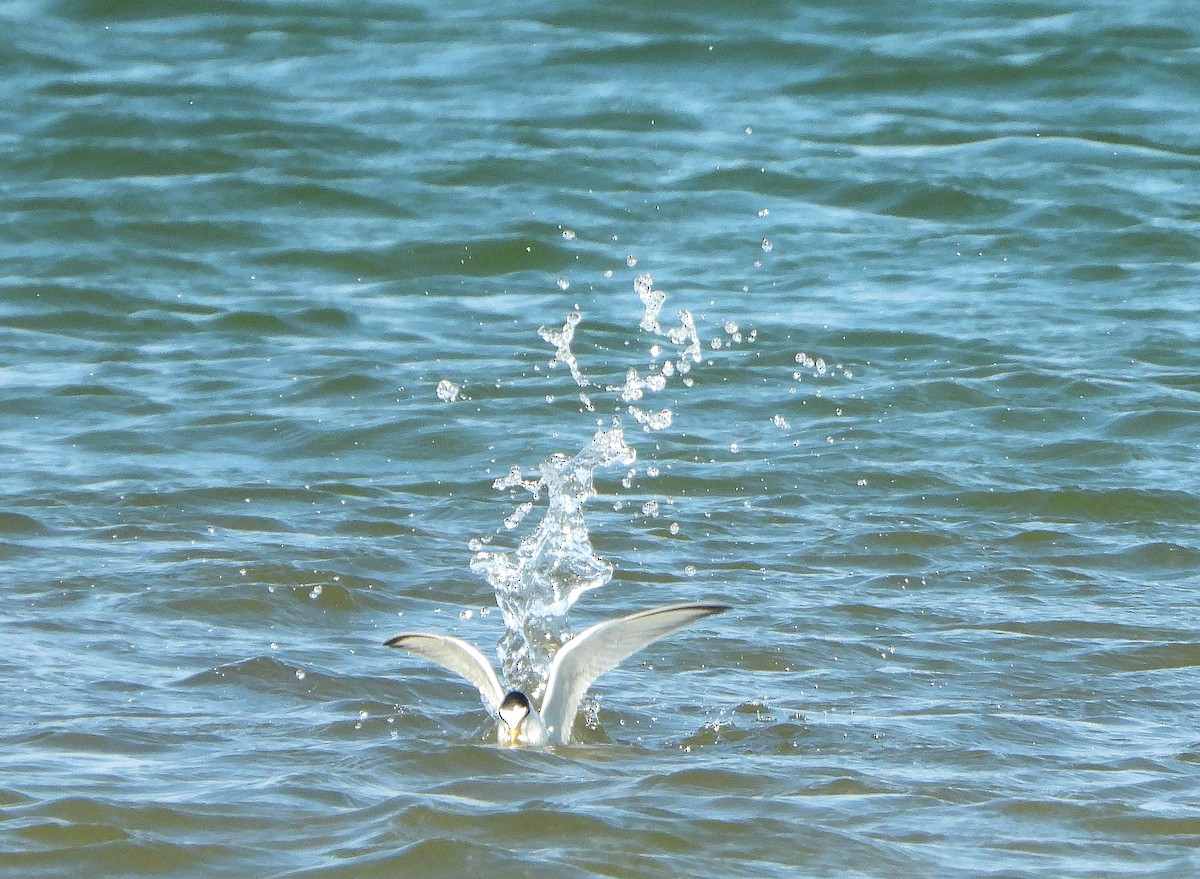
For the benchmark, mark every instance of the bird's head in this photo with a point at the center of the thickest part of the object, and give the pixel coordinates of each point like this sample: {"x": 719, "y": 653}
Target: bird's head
{"x": 513, "y": 713}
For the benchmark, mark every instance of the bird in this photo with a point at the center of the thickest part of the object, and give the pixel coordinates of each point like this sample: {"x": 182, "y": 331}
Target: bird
{"x": 574, "y": 668}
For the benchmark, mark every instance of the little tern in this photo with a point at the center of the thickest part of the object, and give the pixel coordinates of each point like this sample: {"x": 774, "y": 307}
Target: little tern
{"x": 574, "y": 668}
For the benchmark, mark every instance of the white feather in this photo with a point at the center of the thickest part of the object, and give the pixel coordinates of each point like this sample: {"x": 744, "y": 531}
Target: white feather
{"x": 574, "y": 668}
{"x": 602, "y": 647}
{"x": 459, "y": 657}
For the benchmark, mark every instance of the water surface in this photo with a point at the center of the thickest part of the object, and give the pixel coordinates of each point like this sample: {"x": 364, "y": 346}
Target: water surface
{"x": 944, "y": 468}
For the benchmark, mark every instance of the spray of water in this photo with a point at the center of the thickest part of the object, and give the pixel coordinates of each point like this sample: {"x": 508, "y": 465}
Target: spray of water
{"x": 537, "y": 583}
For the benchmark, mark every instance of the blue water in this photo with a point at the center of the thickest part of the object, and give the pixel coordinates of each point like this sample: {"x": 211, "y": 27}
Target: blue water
{"x": 944, "y": 467}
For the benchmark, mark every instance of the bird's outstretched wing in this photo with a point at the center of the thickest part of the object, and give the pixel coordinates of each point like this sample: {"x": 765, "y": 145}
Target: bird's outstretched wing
{"x": 602, "y": 647}
{"x": 459, "y": 657}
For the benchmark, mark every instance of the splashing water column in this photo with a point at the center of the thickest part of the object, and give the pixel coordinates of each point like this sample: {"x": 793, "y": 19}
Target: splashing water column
{"x": 537, "y": 583}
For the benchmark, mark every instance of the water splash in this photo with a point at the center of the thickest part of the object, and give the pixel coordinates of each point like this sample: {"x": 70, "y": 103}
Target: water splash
{"x": 650, "y": 420}
{"x": 635, "y": 386}
{"x": 561, "y": 340}
{"x": 684, "y": 335}
{"x": 447, "y": 391}
{"x": 652, "y": 300}
{"x": 537, "y": 583}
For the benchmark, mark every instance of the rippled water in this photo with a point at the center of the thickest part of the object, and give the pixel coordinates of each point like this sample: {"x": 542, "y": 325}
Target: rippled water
{"x": 948, "y": 477}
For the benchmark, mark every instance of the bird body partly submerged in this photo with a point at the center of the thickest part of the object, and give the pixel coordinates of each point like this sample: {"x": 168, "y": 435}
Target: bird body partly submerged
{"x": 574, "y": 668}
{"x": 518, "y": 722}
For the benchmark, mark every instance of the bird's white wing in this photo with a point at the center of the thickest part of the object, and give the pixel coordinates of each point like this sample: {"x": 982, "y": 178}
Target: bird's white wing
{"x": 602, "y": 647}
{"x": 459, "y": 657}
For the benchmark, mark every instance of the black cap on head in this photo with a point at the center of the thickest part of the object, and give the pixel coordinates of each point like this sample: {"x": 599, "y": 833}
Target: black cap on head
{"x": 515, "y": 700}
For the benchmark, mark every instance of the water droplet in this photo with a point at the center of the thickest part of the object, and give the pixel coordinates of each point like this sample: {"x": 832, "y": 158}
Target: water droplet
{"x": 631, "y": 260}
{"x": 674, "y": 528}
{"x": 563, "y": 283}
{"x": 731, "y": 327}
{"x": 652, "y": 300}
{"x": 608, "y": 273}
{"x": 568, "y": 234}
{"x": 561, "y": 340}
{"x": 659, "y": 420}
{"x": 316, "y": 592}
{"x": 466, "y": 614}
{"x": 763, "y": 212}
{"x": 767, "y": 246}
{"x": 447, "y": 391}
{"x": 733, "y": 447}
{"x": 514, "y": 519}
{"x": 780, "y": 422}
{"x": 690, "y": 570}
{"x": 650, "y": 508}
{"x": 301, "y": 674}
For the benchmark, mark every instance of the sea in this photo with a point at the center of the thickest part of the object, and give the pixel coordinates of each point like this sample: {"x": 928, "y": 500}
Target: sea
{"x": 891, "y": 309}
